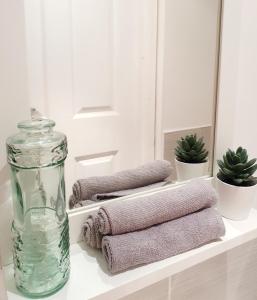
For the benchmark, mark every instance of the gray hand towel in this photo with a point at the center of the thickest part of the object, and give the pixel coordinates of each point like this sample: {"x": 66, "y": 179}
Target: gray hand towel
{"x": 122, "y": 193}
{"x": 144, "y": 175}
{"x": 108, "y": 196}
{"x": 73, "y": 203}
{"x": 162, "y": 241}
{"x": 139, "y": 213}
{"x": 91, "y": 234}
{"x": 84, "y": 203}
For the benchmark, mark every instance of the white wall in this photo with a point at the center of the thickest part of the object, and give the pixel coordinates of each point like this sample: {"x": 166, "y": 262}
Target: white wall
{"x": 189, "y": 58}
{"x": 237, "y": 101}
{"x": 187, "y": 61}
{"x": 13, "y": 101}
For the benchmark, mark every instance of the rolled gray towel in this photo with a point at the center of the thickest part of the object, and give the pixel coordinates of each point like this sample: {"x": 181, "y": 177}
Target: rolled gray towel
{"x": 122, "y": 193}
{"x": 83, "y": 203}
{"x": 91, "y": 234}
{"x": 139, "y": 213}
{"x": 108, "y": 196}
{"x": 162, "y": 241}
{"x": 90, "y": 230}
{"x": 156, "y": 171}
{"x": 73, "y": 202}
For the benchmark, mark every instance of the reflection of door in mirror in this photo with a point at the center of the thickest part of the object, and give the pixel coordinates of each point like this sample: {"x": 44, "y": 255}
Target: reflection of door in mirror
{"x": 123, "y": 79}
{"x": 91, "y": 67}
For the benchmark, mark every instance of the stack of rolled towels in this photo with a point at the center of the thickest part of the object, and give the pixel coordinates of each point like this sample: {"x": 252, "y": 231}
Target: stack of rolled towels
{"x": 154, "y": 227}
{"x": 148, "y": 176}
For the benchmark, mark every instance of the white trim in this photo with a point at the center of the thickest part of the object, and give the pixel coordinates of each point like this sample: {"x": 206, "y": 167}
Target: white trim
{"x": 159, "y": 140}
{"x": 227, "y": 79}
{"x": 186, "y": 128}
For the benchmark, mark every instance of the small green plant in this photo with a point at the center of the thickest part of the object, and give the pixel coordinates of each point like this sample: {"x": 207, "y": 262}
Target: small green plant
{"x": 235, "y": 168}
{"x": 190, "y": 149}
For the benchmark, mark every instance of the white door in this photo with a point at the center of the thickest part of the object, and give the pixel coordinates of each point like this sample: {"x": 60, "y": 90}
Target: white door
{"x": 91, "y": 66}
{"x": 14, "y": 107}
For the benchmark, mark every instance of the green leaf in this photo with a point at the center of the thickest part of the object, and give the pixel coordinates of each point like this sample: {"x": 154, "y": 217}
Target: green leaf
{"x": 190, "y": 140}
{"x": 251, "y": 170}
{"x": 244, "y": 156}
{"x": 202, "y": 157}
{"x": 226, "y": 162}
{"x": 246, "y": 166}
{"x": 239, "y": 150}
{"x": 228, "y": 173}
{"x": 229, "y": 157}
{"x": 237, "y": 181}
{"x": 243, "y": 176}
{"x": 220, "y": 164}
{"x": 185, "y": 145}
{"x": 236, "y": 159}
{"x": 199, "y": 147}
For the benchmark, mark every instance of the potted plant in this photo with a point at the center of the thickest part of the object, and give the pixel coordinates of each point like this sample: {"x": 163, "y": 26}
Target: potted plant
{"x": 191, "y": 158}
{"x": 236, "y": 184}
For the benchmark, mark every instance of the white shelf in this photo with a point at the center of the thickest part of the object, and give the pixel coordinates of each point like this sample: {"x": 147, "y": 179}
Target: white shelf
{"x": 91, "y": 280}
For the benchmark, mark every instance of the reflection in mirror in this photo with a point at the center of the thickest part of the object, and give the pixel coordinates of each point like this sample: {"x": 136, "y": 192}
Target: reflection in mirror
{"x": 187, "y": 80}
{"x": 128, "y": 82}
{"x": 124, "y": 183}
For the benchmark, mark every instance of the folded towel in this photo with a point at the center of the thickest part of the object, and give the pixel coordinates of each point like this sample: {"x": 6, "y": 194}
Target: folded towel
{"x": 108, "y": 196}
{"x": 147, "y": 174}
{"x": 122, "y": 193}
{"x": 162, "y": 241}
{"x": 82, "y": 203}
{"x": 91, "y": 233}
{"x": 139, "y": 213}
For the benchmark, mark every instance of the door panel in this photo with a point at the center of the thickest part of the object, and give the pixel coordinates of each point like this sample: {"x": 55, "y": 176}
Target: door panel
{"x": 14, "y": 107}
{"x": 95, "y": 66}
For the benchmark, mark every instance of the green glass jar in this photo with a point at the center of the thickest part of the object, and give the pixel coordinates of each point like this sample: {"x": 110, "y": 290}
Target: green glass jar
{"x": 40, "y": 227}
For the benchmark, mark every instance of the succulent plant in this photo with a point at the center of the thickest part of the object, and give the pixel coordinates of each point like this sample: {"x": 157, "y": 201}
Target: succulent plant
{"x": 190, "y": 149}
{"x": 235, "y": 168}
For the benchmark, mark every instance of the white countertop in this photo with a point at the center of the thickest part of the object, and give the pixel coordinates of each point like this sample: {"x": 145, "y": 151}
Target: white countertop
{"x": 90, "y": 279}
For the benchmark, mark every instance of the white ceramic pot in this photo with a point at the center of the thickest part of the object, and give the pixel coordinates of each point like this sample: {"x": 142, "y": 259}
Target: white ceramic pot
{"x": 186, "y": 171}
{"x": 235, "y": 202}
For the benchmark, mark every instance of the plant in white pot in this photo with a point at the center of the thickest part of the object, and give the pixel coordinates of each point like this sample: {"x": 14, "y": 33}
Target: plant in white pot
{"x": 191, "y": 158}
{"x": 236, "y": 184}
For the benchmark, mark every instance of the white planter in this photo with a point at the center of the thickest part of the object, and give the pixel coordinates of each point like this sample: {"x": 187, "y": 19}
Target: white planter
{"x": 186, "y": 171}
{"x": 235, "y": 202}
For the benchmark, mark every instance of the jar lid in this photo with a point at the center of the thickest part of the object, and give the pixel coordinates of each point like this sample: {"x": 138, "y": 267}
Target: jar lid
{"x": 36, "y": 145}
{"x": 36, "y": 125}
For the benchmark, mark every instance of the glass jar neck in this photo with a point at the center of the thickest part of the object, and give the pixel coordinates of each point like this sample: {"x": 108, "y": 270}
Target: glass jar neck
{"x": 36, "y": 131}
{"x": 36, "y": 126}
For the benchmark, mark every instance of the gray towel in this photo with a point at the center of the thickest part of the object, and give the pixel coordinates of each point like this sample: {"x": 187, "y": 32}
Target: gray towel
{"x": 139, "y": 213}
{"x": 122, "y": 193}
{"x": 82, "y": 203}
{"x": 91, "y": 234}
{"x": 108, "y": 196}
{"x": 90, "y": 231}
{"x": 162, "y": 241}
{"x": 147, "y": 174}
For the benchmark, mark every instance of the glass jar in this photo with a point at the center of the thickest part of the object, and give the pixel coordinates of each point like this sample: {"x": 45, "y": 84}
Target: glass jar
{"x": 40, "y": 227}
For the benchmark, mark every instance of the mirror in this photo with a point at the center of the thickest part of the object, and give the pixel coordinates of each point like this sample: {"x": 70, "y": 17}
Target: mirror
{"x": 125, "y": 80}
